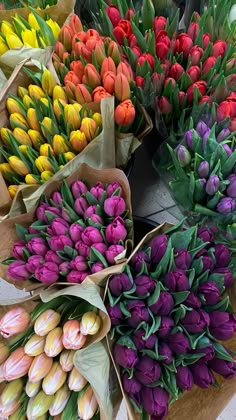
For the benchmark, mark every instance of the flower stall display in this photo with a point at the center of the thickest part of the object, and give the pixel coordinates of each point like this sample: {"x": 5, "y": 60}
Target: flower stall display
{"x": 78, "y": 230}
{"x": 170, "y": 316}
{"x": 42, "y": 350}
{"x": 40, "y": 4}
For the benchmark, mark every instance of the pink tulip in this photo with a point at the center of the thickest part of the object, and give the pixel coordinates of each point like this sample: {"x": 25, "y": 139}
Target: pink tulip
{"x": 39, "y": 368}
{"x": 17, "y": 364}
{"x": 14, "y": 322}
{"x": 72, "y": 338}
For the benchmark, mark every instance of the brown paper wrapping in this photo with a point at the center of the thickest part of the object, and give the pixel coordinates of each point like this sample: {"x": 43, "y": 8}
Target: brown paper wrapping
{"x": 206, "y": 403}
{"x": 93, "y": 360}
{"x": 90, "y": 176}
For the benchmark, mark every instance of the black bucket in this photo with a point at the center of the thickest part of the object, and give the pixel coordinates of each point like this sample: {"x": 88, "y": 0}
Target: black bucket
{"x": 142, "y": 226}
{"x": 130, "y": 166}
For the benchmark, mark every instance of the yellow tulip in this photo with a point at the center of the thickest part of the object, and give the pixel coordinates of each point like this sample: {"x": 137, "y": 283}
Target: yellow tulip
{"x": 17, "y": 120}
{"x": 32, "y": 388}
{"x": 5, "y": 168}
{"x": 22, "y": 136}
{"x": 44, "y": 101}
{"x": 31, "y": 179}
{"x": 13, "y": 106}
{"x": 48, "y": 82}
{"x": 39, "y": 405}
{"x": 29, "y": 38}
{"x": 32, "y": 119}
{"x": 17, "y": 415}
{"x": 58, "y": 106}
{"x": 13, "y": 41}
{"x": 3, "y": 47}
{"x": 7, "y": 28}
{"x": 59, "y": 144}
{"x": 44, "y": 149}
{"x": 54, "y": 379}
{"x": 48, "y": 127}
{"x": 27, "y": 101}
{"x": 4, "y": 352}
{"x": 43, "y": 164}
{"x": 33, "y": 22}
{"x": 54, "y": 27}
{"x": 76, "y": 381}
{"x": 88, "y": 127}
{"x": 78, "y": 140}
{"x": 97, "y": 117}
{"x": 36, "y": 92}
{"x": 53, "y": 345}
{"x": 12, "y": 391}
{"x": 69, "y": 156}
{"x": 24, "y": 149}
{"x": 4, "y": 132}
{"x": 12, "y": 189}
{"x": 60, "y": 401}
{"x": 46, "y": 175}
{"x": 90, "y": 323}
{"x": 35, "y": 345}
{"x": 87, "y": 404}
{"x": 77, "y": 107}
{"x": 36, "y": 138}
{"x": 40, "y": 367}
{"x": 72, "y": 117}
{"x": 59, "y": 93}
{"x": 66, "y": 360}
{"x": 21, "y": 91}
{"x": 18, "y": 166}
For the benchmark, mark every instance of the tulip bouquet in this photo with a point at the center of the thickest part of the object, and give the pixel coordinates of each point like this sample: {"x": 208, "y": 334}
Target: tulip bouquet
{"x": 91, "y": 68}
{"x": 13, "y": 4}
{"x": 39, "y": 358}
{"x": 76, "y": 232}
{"x": 168, "y": 312}
{"x": 46, "y": 131}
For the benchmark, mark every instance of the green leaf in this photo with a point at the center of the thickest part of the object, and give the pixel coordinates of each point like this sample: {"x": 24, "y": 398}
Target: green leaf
{"x": 180, "y": 297}
{"x": 190, "y": 359}
{"x": 70, "y": 411}
{"x": 221, "y": 353}
{"x": 183, "y": 239}
{"x": 66, "y": 194}
{"x": 91, "y": 199}
{"x": 126, "y": 342}
{"x": 71, "y": 252}
{"x": 147, "y": 14}
{"x": 140, "y": 38}
{"x": 163, "y": 264}
{"x": 220, "y": 306}
{"x": 21, "y": 231}
{"x": 95, "y": 255}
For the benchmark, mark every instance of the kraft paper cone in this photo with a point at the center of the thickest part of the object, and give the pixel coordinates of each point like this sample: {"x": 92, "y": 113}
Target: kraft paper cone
{"x": 207, "y": 403}
{"x": 90, "y": 176}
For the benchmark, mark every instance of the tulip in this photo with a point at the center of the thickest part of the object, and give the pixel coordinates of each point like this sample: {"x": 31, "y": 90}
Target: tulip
{"x": 147, "y": 371}
{"x": 155, "y": 401}
{"x": 159, "y": 24}
{"x": 3, "y": 47}
{"x": 35, "y": 345}
{"x": 163, "y": 305}
{"x": 205, "y": 234}
{"x": 114, "y": 206}
{"x": 193, "y": 30}
{"x": 66, "y": 360}
{"x": 78, "y": 140}
{"x": 4, "y": 352}
{"x": 212, "y": 185}
{"x": 224, "y": 368}
{"x": 183, "y": 155}
{"x": 188, "y": 137}
{"x": 76, "y": 277}
{"x": 46, "y": 175}
{"x": 119, "y": 283}
{"x": 90, "y": 323}
{"x": 12, "y": 392}
{"x": 176, "y": 280}
{"x": 5, "y": 169}
{"x": 99, "y": 93}
{"x": 36, "y": 138}
{"x": 138, "y": 259}
{"x": 16, "y": 365}
{"x": 83, "y": 249}
{"x": 54, "y": 380}
{"x": 219, "y": 48}
{"x": 115, "y": 231}
{"x": 141, "y": 343}
{"x": 53, "y": 344}
{"x": 82, "y": 95}
{"x": 39, "y": 368}
{"x": 138, "y": 313}
{"x": 202, "y": 376}
{"x": 193, "y": 301}
{"x": 72, "y": 338}
{"x": 92, "y": 77}
{"x": 144, "y": 284}
{"x": 176, "y": 71}
{"x": 178, "y": 343}
{"x": 97, "y": 191}
{"x": 231, "y": 188}
{"x": 182, "y": 259}
{"x": 196, "y": 321}
{"x": 43, "y": 164}
{"x": 208, "y": 64}
{"x": 88, "y": 127}
{"x": 125, "y": 356}
{"x": 47, "y": 273}
{"x": 17, "y": 251}
{"x": 122, "y": 88}
{"x": 210, "y": 291}
{"x": 33, "y": 119}
{"x": 200, "y": 86}
{"x": 12, "y": 189}
{"x": 8, "y": 410}
{"x": 127, "y": 70}
{"x": 130, "y": 385}
{"x": 46, "y": 322}
{"x": 113, "y": 53}
{"x": 113, "y": 252}
{"x": 194, "y": 73}
{"x": 37, "y": 246}
{"x": 142, "y": 59}
{"x": 222, "y": 255}
{"x": 13, "y": 41}
{"x": 109, "y": 82}
{"x": 33, "y": 262}
{"x": 203, "y": 169}
{"x": 5, "y": 132}
{"x": 59, "y": 226}
{"x": 100, "y": 247}
{"x": 226, "y": 205}
{"x": 222, "y": 325}
{"x": 114, "y": 15}
{"x": 14, "y": 322}
{"x": 76, "y": 381}
{"x": 87, "y": 404}
{"x": 39, "y": 405}
{"x": 227, "y": 275}
{"x": 58, "y": 108}
{"x": 115, "y": 314}
{"x": 18, "y": 271}
{"x": 14, "y": 106}
{"x": 184, "y": 378}
{"x": 72, "y": 117}
{"x": 18, "y": 165}
{"x": 60, "y": 401}
{"x": 75, "y": 231}
{"x": 36, "y": 92}
{"x": 32, "y": 389}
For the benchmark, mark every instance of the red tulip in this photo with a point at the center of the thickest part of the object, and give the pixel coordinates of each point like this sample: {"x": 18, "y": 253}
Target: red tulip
{"x": 225, "y": 109}
{"x": 196, "y": 55}
{"x": 125, "y": 113}
{"x": 194, "y": 73}
{"x": 79, "y": 36}
{"x": 108, "y": 82}
{"x": 168, "y": 80}
{"x": 93, "y": 32}
{"x": 164, "y": 105}
{"x": 208, "y": 64}
{"x": 130, "y": 14}
{"x": 71, "y": 77}
{"x": 181, "y": 96}
{"x": 137, "y": 51}
{"x": 161, "y": 50}
{"x": 176, "y": 71}
{"x": 82, "y": 51}
{"x": 140, "y": 81}
{"x": 219, "y": 48}
{"x": 206, "y": 39}
{"x": 232, "y": 124}
{"x": 206, "y": 100}
{"x": 132, "y": 41}
{"x": 159, "y": 24}
{"x": 183, "y": 44}
{"x": 193, "y": 30}
{"x": 122, "y": 30}
{"x": 146, "y": 57}
{"x": 99, "y": 93}
{"x": 166, "y": 67}
{"x": 157, "y": 80}
{"x": 162, "y": 36}
{"x": 200, "y": 85}
{"x": 114, "y": 15}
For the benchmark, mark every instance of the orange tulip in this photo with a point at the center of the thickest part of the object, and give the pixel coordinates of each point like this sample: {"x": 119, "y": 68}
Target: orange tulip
{"x": 78, "y": 68}
{"x": 92, "y": 76}
{"x": 16, "y": 365}
{"x": 108, "y": 82}
{"x": 59, "y": 49}
{"x": 22, "y": 136}
{"x": 100, "y": 52}
{"x": 126, "y": 70}
{"x": 114, "y": 52}
{"x": 33, "y": 119}
{"x": 36, "y": 138}
{"x": 65, "y": 37}
{"x": 78, "y": 140}
{"x": 125, "y": 113}
{"x": 108, "y": 65}
{"x": 75, "y": 24}
{"x": 72, "y": 338}
{"x": 82, "y": 95}
{"x": 36, "y": 92}
{"x": 71, "y": 77}
{"x": 100, "y": 93}
{"x": 44, "y": 149}
{"x": 72, "y": 117}
{"x": 17, "y": 120}
{"x": 39, "y": 368}
{"x": 122, "y": 88}
{"x": 58, "y": 106}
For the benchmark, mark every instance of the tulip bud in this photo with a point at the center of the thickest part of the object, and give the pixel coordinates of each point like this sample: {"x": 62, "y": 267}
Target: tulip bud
{"x": 17, "y": 415}
{"x": 22, "y": 136}
{"x": 113, "y": 53}
{"x": 66, "y": 360}
{"x": 122, "y": 88}
{"x": 54, "y": 379}
{"x": 58, "y": 107}
{"x": 82, "y": 95}
{"x": 88, "y": 127}
{"x": 53, "y": 345}
{"x": 203, "y": 169}
{"x": 76, "y": 381}
{"x": 59, "y": 144}
{"x": 4, "y": 352}
{"x": 125, "y": 113}
{"x": 8, "y": 410}
{"x": 87, "y": 404}
{"x": 49, "y": 127}
{"x": 33, "y": 119}
{"x": 40, "y": 367}
{"x": 44, "y": 149}
{"x": 109, "y": 81}
{"x": 65, "y": 37}
{"x": 32, "y": 388}
{"x": 12, "y": 189}
{"x": 90, "y": 323}
{"x": 72, "y": 117}
{"x": 22, "y": 91}
{"x": 212, "y": 185}
{"x": 72, "y": 338}
{"x": 39, "y": 405}
{"x": 13, "y": 106}
{"x": 12, "y": 391}
{"x": 46, "y": 175}
{"x": 48, "y": 82}
{"x": 17, "y": 120}
{"x": 5, "y": 134}
{"x": 60, "y": 401}
{"x": 28, "y": 102}
{"x": 43, "y": 164}
{"x": 78, "y": 140}
{"x": 14, "y": 322}
{"x": 183, "y": 155}
{"x": 16, "y": 365}
{"x": 59, "y": 94}
{"x": 18, "y": 165}
{"x": 92, "y": 76}
{"x": 36, "y": 92}
{"x": 99, "y": 52}
{"x": 36, "y": 138}
{"x": 46, "y": 322}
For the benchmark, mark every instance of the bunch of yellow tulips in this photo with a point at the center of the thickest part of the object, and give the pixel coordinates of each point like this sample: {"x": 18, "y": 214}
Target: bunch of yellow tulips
{"x": 36, "y": 32}
{"x": 45, "y": 133}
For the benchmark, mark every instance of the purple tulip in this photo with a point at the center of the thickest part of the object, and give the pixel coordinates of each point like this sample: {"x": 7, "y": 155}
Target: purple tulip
{"x": 147, "y": 371}
{"x": 37, "y": 246}
{"x": 210, "y": 291}
{"x": 17, "y": 251}
{"x": 141, "y": 343}
{"x": 90, "y": 211}
{"x": 97, "y": 190}
{"x": 193, "y": 301}
{"x": 208, "y": 263}
{"x": 100, "y": 247}
{"x": 53, "y": 210}
{"x": 32, "y": 231}
{"x": 114, "y": 206}
{"x": 227, "y": 150}
{"x": 184, "y": 378}
{"x": 196, "y": 321}
{"x": 97, "y": 266}
{"x": 183, "y": 155}
{"x": 205, "y": 234}
{"x": 76, "y": 276}
{"x": 91, "y": 235}
{"x": 111, "y": 188}
{"x": 119, "y": 283}
{"x": 82, "y": 248}
{"x": 112, "y": 252}
{"x": 163, "y": 305}
{"x": 65, "y": 267}
{"x": 124, "y": 356}
{"x": 56, "y": 197}
{"x": 227, "y": 273}
{"x": 188, "y": 137}
{"x": 165, "y": 327}
{"x": 223, "y": 135}
{"x": 138, "y": 259}
{"x": 212, "y": 185}
{"x": 226, "y": 205}
{"x": 176, "y": 281}
{"x": 116, "y": 231}
{"x": 223, "y": 367}
{"x": 75, "y": 232}
{"x": 79, "y": 263}
{"x": 115, "y": 314}
{"x": 208, "y": 351}
{"x": 130, "y": 386}
{"x": 165, "y": 350}
{"x": 138, "y": 313}
{"x": 18, "y": 271}
{"x": 201, "y": 128}
{"x": 34, "y": 262}
{"x": 95, "y": 218}
{"x": 205, "y": 138}
{"x": 57, "y": 243}
{"x": 158, "y": 247}
{"x": 51, "y": 256}
{"x": 81, "y": 205}
{"x": 178, "y": 343}
{"x": 222, "y": 325}
{"x": 40, "y": 212}
{"x": 144, "y": 284}
{"x": 65, "y": 215}
{"x": 202, "y": 376}
{"x": 203, "y": 169}
{"x": 59, "y": 227}
{"x": 47, "y": 273}
{"x": 231, "y": 189}
{"x": 182, "y": 259}
{"x": 78, "y": 188}
{"x": 155, "y": 402}
{"x": 222, "y": 255}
